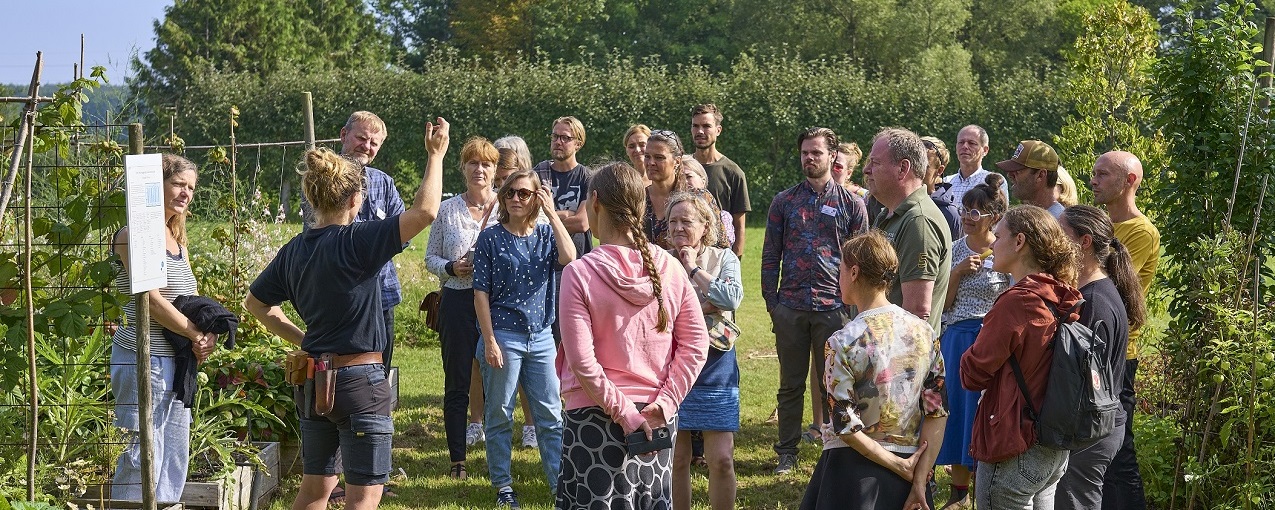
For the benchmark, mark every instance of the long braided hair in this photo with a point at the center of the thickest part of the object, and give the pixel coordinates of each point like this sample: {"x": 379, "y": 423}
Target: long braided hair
{"x": 620, "y": 193}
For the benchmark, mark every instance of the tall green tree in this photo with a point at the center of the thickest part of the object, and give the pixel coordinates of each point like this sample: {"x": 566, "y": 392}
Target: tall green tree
{"x": 1110, "y": 86}
{"x": 254, "y": 36}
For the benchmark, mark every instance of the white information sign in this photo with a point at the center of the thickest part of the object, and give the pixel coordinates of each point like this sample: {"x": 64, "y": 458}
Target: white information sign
{"x": 144, "y": 187}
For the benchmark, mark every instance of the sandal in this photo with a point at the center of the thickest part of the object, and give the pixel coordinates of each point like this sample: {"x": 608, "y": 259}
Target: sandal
{"x": 337, "y": 498}
{"x": 458, "y": 472}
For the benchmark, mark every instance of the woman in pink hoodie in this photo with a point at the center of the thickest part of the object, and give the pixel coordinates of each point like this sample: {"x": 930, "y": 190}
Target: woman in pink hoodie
{"x": 633, "y": 343}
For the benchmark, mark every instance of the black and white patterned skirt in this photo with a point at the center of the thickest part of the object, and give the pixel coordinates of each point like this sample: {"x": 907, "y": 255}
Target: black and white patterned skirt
{"x": 598, "y": 473}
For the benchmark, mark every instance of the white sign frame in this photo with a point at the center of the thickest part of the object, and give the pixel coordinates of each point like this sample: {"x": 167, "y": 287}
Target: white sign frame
{"x": 147, "y": 239}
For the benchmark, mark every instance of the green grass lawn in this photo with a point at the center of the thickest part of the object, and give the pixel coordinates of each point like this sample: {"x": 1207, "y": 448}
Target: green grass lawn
{"x": 420, "y": 448}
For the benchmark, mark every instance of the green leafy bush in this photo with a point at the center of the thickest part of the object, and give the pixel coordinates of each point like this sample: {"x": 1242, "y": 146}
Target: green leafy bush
{"x": 766, "y": 100}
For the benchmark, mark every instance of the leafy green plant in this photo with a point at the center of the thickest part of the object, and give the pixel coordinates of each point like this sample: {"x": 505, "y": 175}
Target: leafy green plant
{"x": 252, "y": 374}
{"x": 767, "y": 98}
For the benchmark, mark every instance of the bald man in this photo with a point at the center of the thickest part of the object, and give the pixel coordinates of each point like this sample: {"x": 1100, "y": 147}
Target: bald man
{"x": 1116, "y": 176}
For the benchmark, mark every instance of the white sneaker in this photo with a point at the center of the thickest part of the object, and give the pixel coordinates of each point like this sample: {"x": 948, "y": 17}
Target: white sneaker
{"x": 529, "y": 436}
{"x": 474, "y": 434}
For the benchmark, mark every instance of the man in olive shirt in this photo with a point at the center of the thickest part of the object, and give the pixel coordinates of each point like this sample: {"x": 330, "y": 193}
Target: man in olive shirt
{"x": 912, "y": 223}
{"x": 725, "y": 179}
{"x": 1116, "y": 176}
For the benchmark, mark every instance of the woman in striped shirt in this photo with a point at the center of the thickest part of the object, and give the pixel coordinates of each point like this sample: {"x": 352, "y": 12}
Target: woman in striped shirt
{"x": 171, "y": 416}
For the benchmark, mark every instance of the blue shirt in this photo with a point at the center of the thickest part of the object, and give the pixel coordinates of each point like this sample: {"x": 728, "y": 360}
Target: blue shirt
{"x": 382, "y": 201}
{"x": 517, "y": 275}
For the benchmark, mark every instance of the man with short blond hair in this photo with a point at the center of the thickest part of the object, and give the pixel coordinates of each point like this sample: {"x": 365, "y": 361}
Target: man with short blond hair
{"x": 361, "y": 139}
{"x": 894, "y": 171}
{"x": 726, "y": 180}
{"x": 1116, "y": 176}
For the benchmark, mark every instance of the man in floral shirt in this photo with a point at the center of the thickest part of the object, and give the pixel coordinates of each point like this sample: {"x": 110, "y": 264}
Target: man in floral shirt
{"x": 800, "y": 265}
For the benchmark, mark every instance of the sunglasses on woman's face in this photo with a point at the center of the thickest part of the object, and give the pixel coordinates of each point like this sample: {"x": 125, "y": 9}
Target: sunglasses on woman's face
{"x": 523, "y": 194}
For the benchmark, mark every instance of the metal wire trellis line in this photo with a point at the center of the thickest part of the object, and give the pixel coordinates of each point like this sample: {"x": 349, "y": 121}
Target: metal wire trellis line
{"x": 241, "y": 145}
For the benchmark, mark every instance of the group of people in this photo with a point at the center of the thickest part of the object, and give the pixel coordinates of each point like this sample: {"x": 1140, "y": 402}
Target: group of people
{"x": 914, "y": 325}
{"x": 899, "y": 301}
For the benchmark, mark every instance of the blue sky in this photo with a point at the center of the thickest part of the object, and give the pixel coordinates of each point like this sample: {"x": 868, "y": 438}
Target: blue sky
{"x": 113, "y": 31}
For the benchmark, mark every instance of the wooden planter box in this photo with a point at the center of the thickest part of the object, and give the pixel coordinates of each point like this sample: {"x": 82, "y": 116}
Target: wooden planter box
{"x": 242, "y": 489}
{"x": 245, "y": 486}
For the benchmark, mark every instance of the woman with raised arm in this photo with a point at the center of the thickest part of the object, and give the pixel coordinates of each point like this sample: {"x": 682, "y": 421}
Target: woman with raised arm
{"x": 171, "y": 416}
{"x": 887, "y": 395}
{"x": 516, "y": 305}
{"x": 712, "y": 405}
{"x": 633, "y": 344}
{"x": 329, "y": 275}
{"x": 1014, "y": 470}
{"x": 974, "y": 287}
{"x": 1113, "y": 307}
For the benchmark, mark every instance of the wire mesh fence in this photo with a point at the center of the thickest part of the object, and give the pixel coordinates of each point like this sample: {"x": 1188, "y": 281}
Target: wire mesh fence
{"x": 58, "y": 312}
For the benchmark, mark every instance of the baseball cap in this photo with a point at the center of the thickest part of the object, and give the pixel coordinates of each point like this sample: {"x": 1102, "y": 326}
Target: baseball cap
{"x": 1031, "y": 154}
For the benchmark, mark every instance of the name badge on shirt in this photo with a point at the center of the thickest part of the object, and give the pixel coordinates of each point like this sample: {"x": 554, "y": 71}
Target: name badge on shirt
{"x": 380, "y": 214}
{"x": 828, "y": 210}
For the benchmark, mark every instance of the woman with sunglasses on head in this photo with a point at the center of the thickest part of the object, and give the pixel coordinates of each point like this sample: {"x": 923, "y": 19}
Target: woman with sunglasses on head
{"x": 633, "y": 344}
{"x": 973, "y": 288}
{"x": 329, "y": 273}
{"x": 663, "y": 158}
{"x": 1113, "y": 295}
{"x": 1015, "y": 471}
{"x": 516, "y": 304}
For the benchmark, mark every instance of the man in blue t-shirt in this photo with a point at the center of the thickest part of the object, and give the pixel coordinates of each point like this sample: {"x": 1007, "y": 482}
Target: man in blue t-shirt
{"x": 361, "y": 139}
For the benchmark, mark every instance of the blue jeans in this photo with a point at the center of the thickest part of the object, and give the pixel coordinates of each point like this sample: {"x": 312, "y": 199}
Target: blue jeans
{"x": 171, "y": 431}
{"x": 529, "y": 359}
{"x": 1026, "y": 482}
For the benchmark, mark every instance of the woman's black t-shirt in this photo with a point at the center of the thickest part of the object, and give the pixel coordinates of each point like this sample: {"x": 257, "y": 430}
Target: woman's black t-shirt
{"x": 1103, "y": 303}
{"x": 330, "y": 276}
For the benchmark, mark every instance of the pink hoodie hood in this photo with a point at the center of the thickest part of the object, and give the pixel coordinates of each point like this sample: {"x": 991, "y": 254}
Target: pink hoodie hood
{"x": 612, "y": 354}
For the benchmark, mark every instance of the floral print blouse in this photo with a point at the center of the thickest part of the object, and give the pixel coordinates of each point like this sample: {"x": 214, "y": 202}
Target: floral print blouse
{"x": 883, "y": 373}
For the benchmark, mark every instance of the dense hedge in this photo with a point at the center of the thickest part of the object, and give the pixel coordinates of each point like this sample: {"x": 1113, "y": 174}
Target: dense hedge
{"x": 766, "y": 102}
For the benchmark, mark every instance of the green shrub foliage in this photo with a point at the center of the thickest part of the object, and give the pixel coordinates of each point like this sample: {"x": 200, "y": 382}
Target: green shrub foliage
{"x": 1219, "y": 340}
{"x": 766, "y": 102}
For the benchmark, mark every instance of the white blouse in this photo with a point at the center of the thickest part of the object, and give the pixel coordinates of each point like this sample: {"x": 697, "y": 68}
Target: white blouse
{"x": 451, "y": 235}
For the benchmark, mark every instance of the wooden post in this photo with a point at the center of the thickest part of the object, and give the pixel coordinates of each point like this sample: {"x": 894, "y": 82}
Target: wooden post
{"x": 308, "y": 101}
{"x": 23, "y": 132}
{"x": 146, "y": 420}
{"x": 1268, "y": 52}
{"x": 28, "y": 116}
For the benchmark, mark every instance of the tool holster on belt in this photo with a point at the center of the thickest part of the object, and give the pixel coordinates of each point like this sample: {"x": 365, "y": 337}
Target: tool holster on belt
{"x": 324, "y": 384}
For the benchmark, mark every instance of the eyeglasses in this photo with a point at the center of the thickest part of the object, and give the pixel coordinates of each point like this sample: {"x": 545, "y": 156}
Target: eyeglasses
{"x": 554, "y": 137}
{"x": 667, "y": 136}
{"x": 973, "y": 214}
{"x": 523, "y": 194}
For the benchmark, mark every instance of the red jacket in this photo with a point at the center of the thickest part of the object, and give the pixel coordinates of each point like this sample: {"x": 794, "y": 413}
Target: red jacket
{"x": 1019, "y": 323}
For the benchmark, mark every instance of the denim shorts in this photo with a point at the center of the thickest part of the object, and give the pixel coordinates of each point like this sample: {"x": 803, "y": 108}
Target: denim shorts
{"x": 360, "y": 425}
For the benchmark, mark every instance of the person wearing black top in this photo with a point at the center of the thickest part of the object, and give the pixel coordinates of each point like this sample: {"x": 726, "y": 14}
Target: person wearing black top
{"x": 329, "y": 273}
{"x": 1113, "y": 295}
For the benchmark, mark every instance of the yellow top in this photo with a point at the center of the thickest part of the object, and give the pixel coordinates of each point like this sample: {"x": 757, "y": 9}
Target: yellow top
{"x": 1142, "y": 240}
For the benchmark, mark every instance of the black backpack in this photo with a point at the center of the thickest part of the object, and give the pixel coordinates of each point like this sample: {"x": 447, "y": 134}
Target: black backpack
{"x": 1081, "y": 399}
